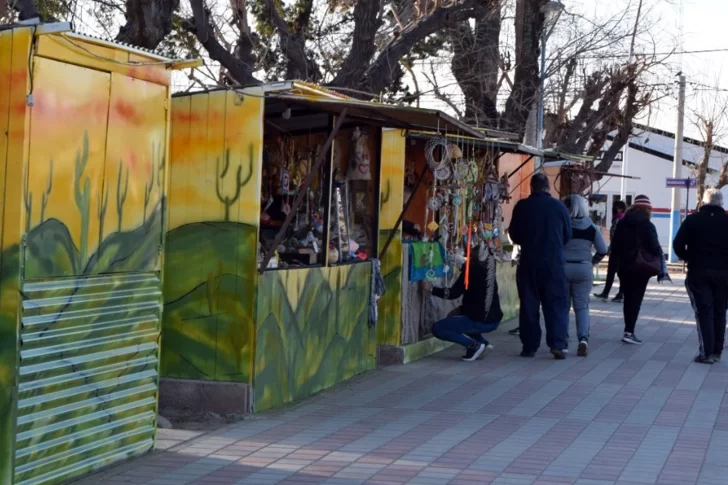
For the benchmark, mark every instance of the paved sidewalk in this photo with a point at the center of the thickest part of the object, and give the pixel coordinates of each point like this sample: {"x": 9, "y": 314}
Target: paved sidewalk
{"x": 623, "y": 416}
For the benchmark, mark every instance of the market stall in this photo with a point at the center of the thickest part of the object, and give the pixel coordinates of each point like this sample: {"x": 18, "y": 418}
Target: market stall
{"x": 82, "y": 169}
{"x": 274, "y": 221}
{"x": 456, "y": 191}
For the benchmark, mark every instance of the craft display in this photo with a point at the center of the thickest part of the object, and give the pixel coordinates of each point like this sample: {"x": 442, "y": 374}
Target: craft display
{"x": 463, "y": 209}
{"x": 359, "y": 160}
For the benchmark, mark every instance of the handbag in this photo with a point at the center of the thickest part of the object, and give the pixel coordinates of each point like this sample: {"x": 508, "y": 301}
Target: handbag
{"x": 646, "y": 263}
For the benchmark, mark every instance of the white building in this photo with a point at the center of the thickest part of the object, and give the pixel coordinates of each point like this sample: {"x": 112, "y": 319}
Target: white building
{"x": 649, "y": 159}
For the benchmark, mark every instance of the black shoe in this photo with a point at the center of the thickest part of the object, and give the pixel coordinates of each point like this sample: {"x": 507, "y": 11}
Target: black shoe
{"x": 558, "y": 354}
{"x": 716, "y": 357}
{"x": 630, "y": 338}
{"x": 472, "y": 354}
{"x": 515, "y": 331}
{"x": 528, "y": 354}
{"x": 704, "y": 360}
{"x": 619, "y": 298}
{"x": 583, "y": 349}
{"x": 602, "y": 296}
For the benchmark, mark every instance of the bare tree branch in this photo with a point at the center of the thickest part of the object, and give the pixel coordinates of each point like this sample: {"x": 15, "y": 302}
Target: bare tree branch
{"x": 366, "y": 25}
{"x": 200, "y": 25}
{"x": 293, "y": 43}
{"x": 148, "y": 22}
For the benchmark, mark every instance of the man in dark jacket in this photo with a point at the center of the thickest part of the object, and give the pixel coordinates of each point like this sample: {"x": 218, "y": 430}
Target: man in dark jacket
{"x": 541, "y": 226}
{"x": 702, "y": 241}
{"x": 481, "y": 310}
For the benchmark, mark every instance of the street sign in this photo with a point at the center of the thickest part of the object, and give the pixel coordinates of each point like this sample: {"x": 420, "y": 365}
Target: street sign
{"x": 680, "y": 183}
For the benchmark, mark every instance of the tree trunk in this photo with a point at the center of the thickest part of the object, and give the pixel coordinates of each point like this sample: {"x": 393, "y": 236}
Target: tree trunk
{"x": 25, "y": 8}
{"x": 702, "y": 170}
{"x": 475, "y": 63}
{"x": 529, "y": 26}
{"x": 148, "y": 22}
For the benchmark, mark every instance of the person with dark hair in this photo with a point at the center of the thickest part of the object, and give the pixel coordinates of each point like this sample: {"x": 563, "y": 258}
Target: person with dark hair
{"x": 541, "y": 226}
{"x": 618, "y": 210}
{"x": 702, "y": 241}
{"x": 480, "y": 312}
{"x": 636, "y": 248}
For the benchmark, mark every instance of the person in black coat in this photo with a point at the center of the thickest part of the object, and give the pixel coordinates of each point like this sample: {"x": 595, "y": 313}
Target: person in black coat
{"x": 635, "y": 233}
{"x": 702, "y": 241}
{"x": 481, "y": 310}
{"x": 541, "y": 226}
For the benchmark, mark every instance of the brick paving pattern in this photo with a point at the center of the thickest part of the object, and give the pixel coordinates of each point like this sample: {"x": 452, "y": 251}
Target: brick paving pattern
{"x": 623, "y": 416}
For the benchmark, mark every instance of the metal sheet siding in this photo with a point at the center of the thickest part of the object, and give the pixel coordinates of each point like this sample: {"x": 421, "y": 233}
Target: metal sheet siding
{"x": 88, "y": 374}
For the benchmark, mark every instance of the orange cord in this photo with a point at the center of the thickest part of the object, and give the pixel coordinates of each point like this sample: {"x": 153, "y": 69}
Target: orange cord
{"x": 467, "y": 262}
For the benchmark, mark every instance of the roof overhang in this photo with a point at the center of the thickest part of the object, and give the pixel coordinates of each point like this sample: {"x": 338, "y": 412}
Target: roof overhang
{"x": 385, "y": 115}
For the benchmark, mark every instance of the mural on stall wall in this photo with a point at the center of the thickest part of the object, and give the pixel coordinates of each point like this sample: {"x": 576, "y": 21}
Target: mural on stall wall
{"x": 389, "y": 323}
{"x": 91, "y": 288}
{"x": 211, "y": 248}
{"x": 312, "y": 331}
{"x": 13, "y": 81}
{"x": 507, "y": 290}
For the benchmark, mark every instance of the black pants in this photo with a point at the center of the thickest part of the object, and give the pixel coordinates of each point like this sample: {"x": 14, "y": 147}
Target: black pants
{"x": 611, "y": 272}
{"x": 708, "y": 291}
{"x": 633, "y": 287}
{"x": 543, "y": 288}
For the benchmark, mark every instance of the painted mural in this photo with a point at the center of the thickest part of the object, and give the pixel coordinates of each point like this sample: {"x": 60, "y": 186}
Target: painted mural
{"x": 312, "y": 331}
{"x": 389, "y": 324}
{"x": 211, "y": 247}
{"x": 80, "y": 287}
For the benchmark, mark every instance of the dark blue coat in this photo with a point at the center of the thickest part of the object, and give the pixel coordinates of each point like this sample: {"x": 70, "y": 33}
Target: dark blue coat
{"x": 541, "y": 226}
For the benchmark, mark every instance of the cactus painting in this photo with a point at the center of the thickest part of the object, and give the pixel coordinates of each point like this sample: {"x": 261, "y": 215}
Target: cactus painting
{"x": 121, "y": 193}
{"x": 82, "y": 194}
{"x": 46, "y": 193}
{"x": 229, "y": 200}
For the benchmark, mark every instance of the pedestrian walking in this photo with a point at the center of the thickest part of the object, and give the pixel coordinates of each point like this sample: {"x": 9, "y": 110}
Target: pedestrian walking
{"x": 541, "y": 226}
{"x": 480, "y": 312}
{"x": 585, "y": 238}
{"x": 702, "y": 241}
{"x": 618, "y": 210}
{"x": 639, "y": 257}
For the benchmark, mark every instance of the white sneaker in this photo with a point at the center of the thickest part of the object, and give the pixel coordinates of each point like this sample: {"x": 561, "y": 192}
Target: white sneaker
{"x": 583, "y": 349}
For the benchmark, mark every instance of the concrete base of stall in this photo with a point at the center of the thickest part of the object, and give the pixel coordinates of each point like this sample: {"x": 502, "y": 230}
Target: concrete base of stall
{"x": 202, "y": 397}
{"x": 404, "y": 354}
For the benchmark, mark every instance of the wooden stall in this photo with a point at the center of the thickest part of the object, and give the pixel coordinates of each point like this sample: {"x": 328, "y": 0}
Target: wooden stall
{"x": 275, "y": 209}
{"x": 83, "y": 164}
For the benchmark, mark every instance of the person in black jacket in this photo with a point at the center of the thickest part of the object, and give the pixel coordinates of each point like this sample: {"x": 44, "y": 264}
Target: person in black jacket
{"x": 481, "y": 310}
{"x": 634, "y": 233}
{"x": 702, "y": 241}
{"x": 618, "y": 211}
{"x": 541, "y": 226}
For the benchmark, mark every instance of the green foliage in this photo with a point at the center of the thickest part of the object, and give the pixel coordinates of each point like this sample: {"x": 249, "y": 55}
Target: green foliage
{"x": 315, "y": 341}
{"x": 82, "y": 194}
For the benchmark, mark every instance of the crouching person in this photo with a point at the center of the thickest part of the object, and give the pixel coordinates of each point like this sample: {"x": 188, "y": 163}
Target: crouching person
{"x": 480, "y": 312}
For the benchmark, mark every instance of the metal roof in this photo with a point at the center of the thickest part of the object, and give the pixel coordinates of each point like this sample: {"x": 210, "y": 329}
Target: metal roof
{"x": 386, "y": 115}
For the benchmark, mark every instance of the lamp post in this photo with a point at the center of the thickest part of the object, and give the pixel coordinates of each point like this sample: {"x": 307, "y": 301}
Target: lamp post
{"x": 551, "y": 11}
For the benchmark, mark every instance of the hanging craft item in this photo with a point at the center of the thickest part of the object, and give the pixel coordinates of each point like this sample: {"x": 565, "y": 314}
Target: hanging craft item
{"x": 443, "y": 173}
{"x": 460, "y": 170}
{"x": 426, "y": 258}
{"x": 434, "y": 203}
{"x": 473, "y": 172}
{"x": 432, "y": 145}
{"x": 359, "y": 160}
{"x": 455, "y": 152}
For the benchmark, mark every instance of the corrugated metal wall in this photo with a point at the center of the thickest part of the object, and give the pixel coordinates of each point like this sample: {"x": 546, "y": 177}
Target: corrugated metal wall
{"x": 88, "y": 374}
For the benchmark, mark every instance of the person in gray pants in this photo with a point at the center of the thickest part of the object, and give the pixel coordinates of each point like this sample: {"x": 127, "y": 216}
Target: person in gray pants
{"x": 585, "y": 236}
